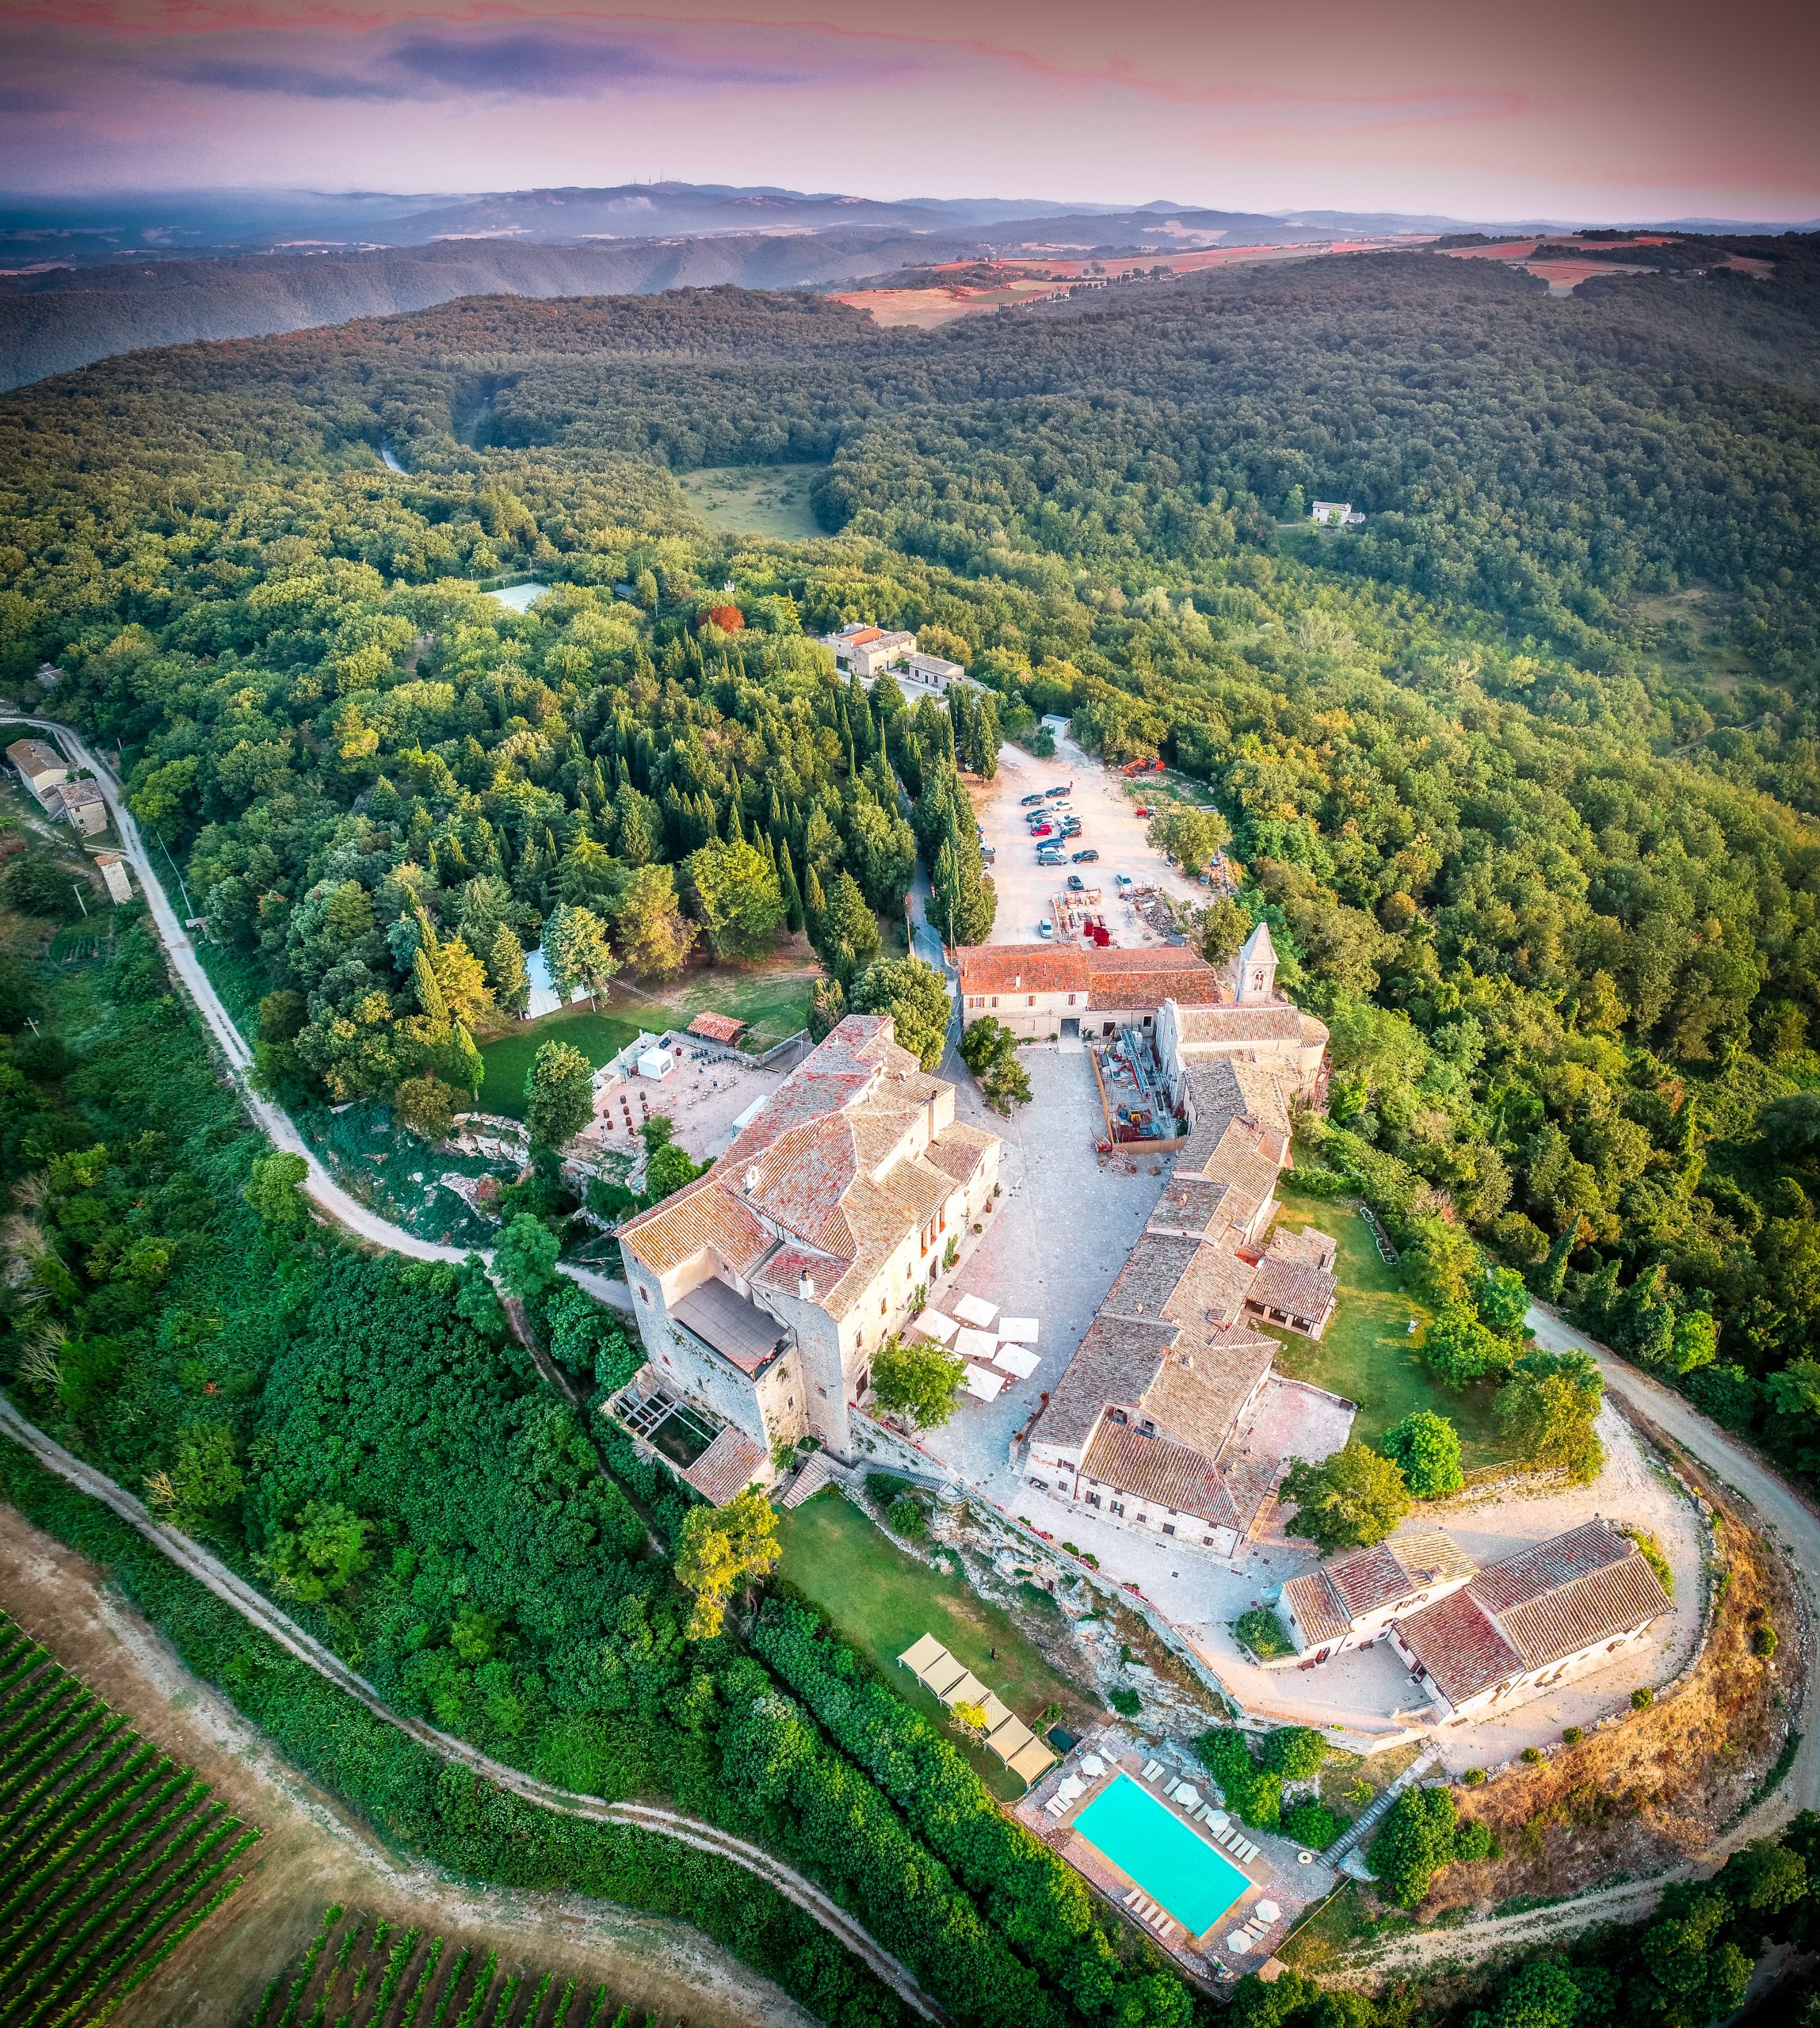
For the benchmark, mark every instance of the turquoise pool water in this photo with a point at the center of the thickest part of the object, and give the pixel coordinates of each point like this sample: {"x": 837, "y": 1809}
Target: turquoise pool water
{"x": 1146, "y": 1839}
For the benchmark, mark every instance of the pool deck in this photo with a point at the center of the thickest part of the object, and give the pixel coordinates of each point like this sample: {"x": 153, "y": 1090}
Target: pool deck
{"x": 1276, "y": 1873}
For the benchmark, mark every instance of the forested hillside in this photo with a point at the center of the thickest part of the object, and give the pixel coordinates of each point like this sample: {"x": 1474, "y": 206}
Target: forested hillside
{"x": 1522, "y": 774}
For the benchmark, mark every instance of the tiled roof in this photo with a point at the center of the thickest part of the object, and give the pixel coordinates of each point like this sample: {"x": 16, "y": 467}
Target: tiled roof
{"x": 1194, "y": 1204}
{"x": 717, "y": 1027}
{"x": 1271, "y": 1022}
{"x": 1247, "y": 1158}
{"x": 1294, "y": 1288}
{"x": 1149, "y": 1276}
{"x": 990, "y": 968}
{"x": 1212, "y": 1292}
{"x": 1457, "y": 1641}
{"x": 958, "y": 1150}
{"x": 700, "y": 1214}
{"x": 1108, "y": 991}
{"x": 1116, "y": 1361}
{"x": 1311, "y": 1247}
{"x": 726, "y": 1467}
{"x": 1319, "y": 1610}
{"x": 1536, "y": 1608}
{"x": 1203, "y": 1384}
{"x": 1366, "y": 1579}
{"x": 33, "y": 757}
{"x": 1157, "y": 1469}
{"x": 74, "y": 793}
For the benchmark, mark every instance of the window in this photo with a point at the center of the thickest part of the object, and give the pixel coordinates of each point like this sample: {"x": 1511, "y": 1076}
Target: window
{"x": 644, "y": 1294}
{"x": 1032, "y": 999}
{"x": 995, "y": 999}
{"x": 1092, "y": 1500}
{"x": 1206, "y": 1542}
{"x": 1070, "y": 1000}
{"x": 1168, "y": 1527}
{"x": 1042, "y": 1485}
{"x": 1118, "y": 1506}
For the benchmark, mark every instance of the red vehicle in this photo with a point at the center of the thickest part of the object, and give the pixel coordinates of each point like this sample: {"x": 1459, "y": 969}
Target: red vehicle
{"x": 1143, "y": 766}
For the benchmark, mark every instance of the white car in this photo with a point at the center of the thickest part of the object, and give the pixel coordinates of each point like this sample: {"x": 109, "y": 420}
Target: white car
{"x": 1045, "y": 928}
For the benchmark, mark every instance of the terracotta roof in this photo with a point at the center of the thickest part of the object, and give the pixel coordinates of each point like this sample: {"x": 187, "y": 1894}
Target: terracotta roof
{"x": 1196, "y": 1205}
{"x": 958, "y": 1150}
{"x": 1309, "y": 1246}
{"x": 1248, "y": 1159}
{"x": 1271, "y": 1022}
{"x": 717, "y": 1028}
{"x": 1108, "y": 991}
{"x": 726, "y": 1467}
{"x": 1537, "y": 1608}
{"x": 1149, "y": 1276}
{"x": 700, "y": 1214}
{"x": 1458, "y": 1643}
{"x": 1157, "y": 1469}
{"x": 1115, "y": 1362}
{"x": 1122, "y": 977}
{"x": 74, "y": 793}
{"x": 1364, "y": 1580}
{"x": 1203, "y": 1384}
{"x": 33, "y": 757}
{"x": 1318, "y": 1610}
{"x": 1294, "y": 1288}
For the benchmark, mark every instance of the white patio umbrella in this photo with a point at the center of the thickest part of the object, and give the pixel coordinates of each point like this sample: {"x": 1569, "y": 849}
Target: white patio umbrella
{"x": 1267, "y": 1911}
{"x": 1022, "y": 1330}
{"x": 1092, "y": 1766}
{"x": 974, "y": 1310}
{"x": 1238, "y": 1943}
{"x": 1188, "y": 1796}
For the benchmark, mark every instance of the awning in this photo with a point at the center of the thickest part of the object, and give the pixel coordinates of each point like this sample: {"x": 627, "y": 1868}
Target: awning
{"x": 997, "y": 1711}
{"x": 1032, "y": 1762}
{"x": 918, "y": 1657}
{"x": 974, "y": 1310}
{"x": 1010, "y": 1739}
{"x": 967, "y": 1690}
{"x": 983, "y": 1383}
{"x": 942, "y": 1676}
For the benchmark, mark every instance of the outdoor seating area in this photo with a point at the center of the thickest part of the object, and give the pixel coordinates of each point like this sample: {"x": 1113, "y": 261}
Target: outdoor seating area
{"x": 1004, "y": 1731}
{"x": 996, "y": 1353}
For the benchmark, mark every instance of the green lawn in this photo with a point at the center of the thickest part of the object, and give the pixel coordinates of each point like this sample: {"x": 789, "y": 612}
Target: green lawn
{"x": 508, "y": 1060}
{"x": 1368, "y": 1353}
{"x": 882, "y": 1601}
{"x": 776, "y": 1004}
{"x": 758, "y": 499}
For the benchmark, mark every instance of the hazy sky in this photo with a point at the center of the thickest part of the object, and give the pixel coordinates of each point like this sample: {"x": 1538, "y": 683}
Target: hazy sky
{"x": 1566, "y": 107}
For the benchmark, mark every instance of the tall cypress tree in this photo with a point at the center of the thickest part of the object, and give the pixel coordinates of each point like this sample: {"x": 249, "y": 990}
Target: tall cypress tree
{"x": 792, "y": 894}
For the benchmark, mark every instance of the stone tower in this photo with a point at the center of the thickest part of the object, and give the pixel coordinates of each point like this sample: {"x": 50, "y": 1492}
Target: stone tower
{"x": 1257, "y": 969}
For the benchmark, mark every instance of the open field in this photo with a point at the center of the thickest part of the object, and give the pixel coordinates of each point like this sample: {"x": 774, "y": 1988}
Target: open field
{"x": 508, "y": 1060}
{"x": 1368, "y": 1353}
{"x": 113, "y": 1854}
{"x": 756, "y": 500}
{"x": 882, "y": 1601}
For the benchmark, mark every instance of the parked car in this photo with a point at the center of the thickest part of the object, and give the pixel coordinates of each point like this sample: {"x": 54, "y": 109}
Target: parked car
{"x": 1076, "y": 884}
{"x": 1035, "y": 796}
{"x": 1125, "y": 882}
{"x": 1045, "y": 928}
{"x": 1083, "y": 859}
{"x": 1050, "y": 856}
{"x": 1051, "y": 793}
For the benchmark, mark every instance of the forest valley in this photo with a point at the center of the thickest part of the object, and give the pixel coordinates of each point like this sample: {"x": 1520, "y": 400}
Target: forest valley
{"x": 1547, "y": 869}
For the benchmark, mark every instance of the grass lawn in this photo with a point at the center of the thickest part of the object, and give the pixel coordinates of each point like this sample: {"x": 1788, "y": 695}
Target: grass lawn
{"x": 776, "y": 1004}
{"x": 508, "y": 1060}
{"x": 883, "y": 1600}
{"x": 1368, "y": 1354}
{"x": 759, "y": 500}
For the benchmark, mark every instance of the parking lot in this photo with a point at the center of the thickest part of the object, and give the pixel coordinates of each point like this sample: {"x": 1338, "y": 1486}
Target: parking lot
{"x": 1110, "y": 825}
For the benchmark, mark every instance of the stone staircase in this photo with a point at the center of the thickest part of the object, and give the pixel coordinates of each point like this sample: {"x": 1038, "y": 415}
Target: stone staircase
{"x": 1367, "y": 1820}
{"x": 809, "y": 1478}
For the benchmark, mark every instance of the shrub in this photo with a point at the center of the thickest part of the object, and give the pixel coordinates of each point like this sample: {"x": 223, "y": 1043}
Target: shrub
{"x": 1531, "y": 1754}
{"x": 1763, "y": 1642}
{"x": 1573, "y": 1736}
{"x": 1473, "y": 1778}
{"x": 1426, "y": 1447}
{"x": 907, "y": 1516}
{"x": 1262, "y": 1632}
{"x": 1414, "y": 1842}
{"x": 1126, "y": 1702}
{"x": 1296, "y": 1752}
{"x": 1313, "y": 1824}
{"x": 1255, "y": 1793}
{"x": 1641, "y": 1699}
{"x": 1473, "y": 1840}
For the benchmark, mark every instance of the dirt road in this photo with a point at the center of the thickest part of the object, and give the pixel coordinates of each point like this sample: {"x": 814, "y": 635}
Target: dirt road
{"x": 313, "y": 1852}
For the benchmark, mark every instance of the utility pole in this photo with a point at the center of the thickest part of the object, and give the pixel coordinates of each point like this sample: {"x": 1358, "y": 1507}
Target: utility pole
{"x": 76, "y": 889}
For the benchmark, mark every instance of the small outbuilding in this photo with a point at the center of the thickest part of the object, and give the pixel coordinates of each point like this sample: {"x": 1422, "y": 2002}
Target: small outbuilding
{"x": 720, "y": 1028}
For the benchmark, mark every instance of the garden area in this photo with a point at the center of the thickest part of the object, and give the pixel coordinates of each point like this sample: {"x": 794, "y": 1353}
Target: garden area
{"x": 508, "y": 1057}
{"x": 881, "y": 1600}
{"x": 1369, "y": 1353}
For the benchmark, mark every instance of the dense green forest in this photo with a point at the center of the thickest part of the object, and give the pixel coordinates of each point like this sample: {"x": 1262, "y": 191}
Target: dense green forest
{"x": 1522, "y": 775}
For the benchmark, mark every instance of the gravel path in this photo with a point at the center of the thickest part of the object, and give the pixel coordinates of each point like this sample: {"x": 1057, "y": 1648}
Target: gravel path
{"x": 251, "y": 1606}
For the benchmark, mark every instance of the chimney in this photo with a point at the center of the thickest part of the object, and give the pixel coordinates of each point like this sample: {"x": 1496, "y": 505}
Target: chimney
{"x": 1016, "y": 981}
{"x": 751, "y": 1181}
{"x": 806, "y": 1287}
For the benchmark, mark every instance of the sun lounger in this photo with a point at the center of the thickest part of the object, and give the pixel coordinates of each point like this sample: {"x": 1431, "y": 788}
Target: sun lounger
{"x": 1133, "y": 1898}
{"x": 1171, "y": 1785}
{"x": 1055, "y": 1807}
{"x": 1152, "y": 1769}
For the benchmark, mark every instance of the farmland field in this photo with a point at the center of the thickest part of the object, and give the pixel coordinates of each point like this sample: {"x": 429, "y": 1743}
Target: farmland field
{"x": 110, "y": 1854}
{"x": 365, "y": 1972}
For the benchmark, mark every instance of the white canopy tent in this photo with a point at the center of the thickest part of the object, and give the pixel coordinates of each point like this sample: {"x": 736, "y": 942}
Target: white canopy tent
{"x": 976, "y": 1345}
{"x": 983, "y": 1382}
{"x": 974, "y": 1310}
{"x": 1022, "y": 1330}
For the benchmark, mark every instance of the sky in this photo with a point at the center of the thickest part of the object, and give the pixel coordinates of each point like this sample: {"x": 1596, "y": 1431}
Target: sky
{"x": 1596, "y": 110}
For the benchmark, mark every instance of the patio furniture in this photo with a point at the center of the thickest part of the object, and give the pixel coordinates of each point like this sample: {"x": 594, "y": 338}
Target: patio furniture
{"x": 1238, "y": 1943}
{"x": 933, "y": 1324}
{"x": 984, "y": 1384}
{"x": 1092, "y": 1766}
{"x": 1055, "y": 1807}
{"x": 1268, "y": 1912}
{"x": 1023, "y": 1329}
{"x": 974, "y": 1310}
{"x": 975, "y": 1345}
{"x": 1188, "y": 1796}
{"x": 1152, "y": 1769}
{"x": 1016, "y": 1360}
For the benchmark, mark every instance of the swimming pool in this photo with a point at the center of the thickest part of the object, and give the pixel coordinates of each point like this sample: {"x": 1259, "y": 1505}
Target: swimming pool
{"x": 1145, "y": 1839}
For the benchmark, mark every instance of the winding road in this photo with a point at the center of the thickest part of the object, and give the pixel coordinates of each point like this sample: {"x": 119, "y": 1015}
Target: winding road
{"x": 253, "y": 1606}
{"x": 1784, "y": 1512}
